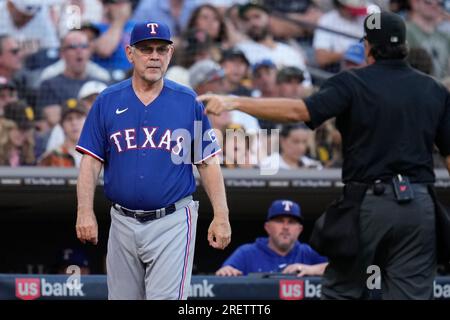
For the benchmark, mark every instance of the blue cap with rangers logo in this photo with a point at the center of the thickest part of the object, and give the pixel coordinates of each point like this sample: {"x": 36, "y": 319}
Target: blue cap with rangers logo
{"x": 150, "y": 30}
{"x": 285, "y": 208}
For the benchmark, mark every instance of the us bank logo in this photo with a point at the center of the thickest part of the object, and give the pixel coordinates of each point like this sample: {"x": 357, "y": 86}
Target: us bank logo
{"x": 28, "y": 288}
{"x": 299, "y": 290}
{"x": 34, "y": 288}
{"x": 291, "y": 289}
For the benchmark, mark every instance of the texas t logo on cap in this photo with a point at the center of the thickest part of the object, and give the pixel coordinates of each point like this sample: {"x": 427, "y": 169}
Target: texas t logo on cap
{"x": 150, "y": 30}
{"x": 152, "y": 27}
{"x": 287, "y": 205}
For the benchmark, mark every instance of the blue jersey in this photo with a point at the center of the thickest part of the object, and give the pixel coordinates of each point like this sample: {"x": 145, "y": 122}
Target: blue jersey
{"x": 148, "y": 151}
{"x": 258, "y": 257}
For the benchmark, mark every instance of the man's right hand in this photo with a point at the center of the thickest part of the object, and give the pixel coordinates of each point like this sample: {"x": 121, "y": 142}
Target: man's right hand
{"x": 87, "y": 228}
{"x": 228, "y": 271}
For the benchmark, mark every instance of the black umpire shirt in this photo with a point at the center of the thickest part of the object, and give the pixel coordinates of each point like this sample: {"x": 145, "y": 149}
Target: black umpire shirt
{"x": 389, "y": 116}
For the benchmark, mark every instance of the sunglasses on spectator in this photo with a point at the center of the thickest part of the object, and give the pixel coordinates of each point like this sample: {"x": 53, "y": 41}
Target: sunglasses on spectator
{"x": 77, "y": 46}
{"x": 160, "y": 50}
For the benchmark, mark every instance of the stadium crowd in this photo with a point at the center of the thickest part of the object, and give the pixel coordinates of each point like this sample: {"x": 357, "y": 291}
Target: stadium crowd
{"x": 56, "y": 56}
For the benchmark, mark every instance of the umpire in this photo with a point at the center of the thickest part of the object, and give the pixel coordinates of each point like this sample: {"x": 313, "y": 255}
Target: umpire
{"x": 390, "y": 116}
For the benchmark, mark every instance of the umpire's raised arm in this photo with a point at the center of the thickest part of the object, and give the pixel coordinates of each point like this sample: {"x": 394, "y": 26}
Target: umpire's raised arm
{"x": 275, "y": 109}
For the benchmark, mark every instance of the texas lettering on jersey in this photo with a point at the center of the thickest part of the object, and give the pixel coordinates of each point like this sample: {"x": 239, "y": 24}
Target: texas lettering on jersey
{"x": 126, "y": 139}
{"x": 155, "y": 138}
{"x": 145, "y": 145}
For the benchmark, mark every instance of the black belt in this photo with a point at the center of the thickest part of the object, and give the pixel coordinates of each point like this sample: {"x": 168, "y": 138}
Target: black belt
{"x": 144, "y": 216}
{"x": 380, "y": 187}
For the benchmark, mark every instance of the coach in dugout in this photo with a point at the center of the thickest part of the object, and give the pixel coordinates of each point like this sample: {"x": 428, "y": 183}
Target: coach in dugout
{"x": 389, "y": 116}
{"x": 280, "y": 252}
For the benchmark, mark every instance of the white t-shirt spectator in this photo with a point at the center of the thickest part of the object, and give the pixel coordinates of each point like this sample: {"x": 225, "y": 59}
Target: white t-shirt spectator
{"x": 282, "y": 55}
{"x": 248, "y": 122}
{"x": 275, "y": 159}
{"x": 334, "y": 42}
{"x": 38, "y": 33}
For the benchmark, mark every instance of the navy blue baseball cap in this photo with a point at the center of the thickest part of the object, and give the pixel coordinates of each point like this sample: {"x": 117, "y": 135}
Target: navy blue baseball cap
{"x": 285, "y": 208}
{"x": 150, "y": 30}
{"x": 263, "y": 63}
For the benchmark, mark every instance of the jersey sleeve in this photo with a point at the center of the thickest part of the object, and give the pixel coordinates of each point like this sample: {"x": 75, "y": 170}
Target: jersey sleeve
{"x": 443, "y": 134}
{"x": 205, "y": 142}
{"x": 333, "y": 99}
{"x": 93, "y": 138}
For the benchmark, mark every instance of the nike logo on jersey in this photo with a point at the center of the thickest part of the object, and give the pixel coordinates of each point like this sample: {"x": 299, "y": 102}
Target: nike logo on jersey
{"x": 121, "y": 111}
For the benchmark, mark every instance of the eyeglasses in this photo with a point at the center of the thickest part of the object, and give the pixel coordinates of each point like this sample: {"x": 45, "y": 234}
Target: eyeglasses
{"x": 161, "y": 50}
{"x": 14, "y": 51}
{"x": 76, "y": 46}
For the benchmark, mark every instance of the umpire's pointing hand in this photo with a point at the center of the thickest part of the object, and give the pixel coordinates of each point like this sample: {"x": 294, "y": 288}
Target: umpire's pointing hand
{"x": 87, "y": 229}
{"x": 216, "y": 104}
{"x": 219, "y": 233}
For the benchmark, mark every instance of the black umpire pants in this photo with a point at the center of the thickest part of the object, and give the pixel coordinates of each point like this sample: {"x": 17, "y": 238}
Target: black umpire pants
{"x": 398, "y": 238}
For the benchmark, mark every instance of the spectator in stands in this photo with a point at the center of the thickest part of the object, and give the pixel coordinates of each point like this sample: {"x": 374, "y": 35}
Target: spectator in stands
{"x": 195, "y": 45}
{"x": 92, "y": 69}
{"x": 348, "y": 18}
{"x": 303, "y": 11}
{"x": 420, "y": 59}
{"x": 206, "y": 76}
{"x": 8, "y": 94}
{"x": 281, "y": 251}
{"x": 65, "y": 155}
{"x": 290, "y": 83}
{"x": 237, "y": 148}
{"x": 294, "y": 141}
{"x": 236, "y": 67}
{"x": 328, "y": 145}
{"x": 354, "y": 57}
{"x": 207, "y": 18}
{"x": 265, "y": 84}
{"x": 11, "y": 68}
{"x": 28, "y": 21}
{"x": 262, "y": 44}
{"x": 174, "y": 13}
{"x": 64, "y": 88}
{"x": 422, "y": 32}
{"x": 10, "y": 57}
{"x": 115, "y": 32}
{"x": 89, "y": 92}
{"x": 265, "y": 78}
{"x": 16, "y": 136}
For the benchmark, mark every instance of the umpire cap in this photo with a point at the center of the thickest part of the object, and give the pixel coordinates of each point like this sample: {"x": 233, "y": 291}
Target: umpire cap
{"x": 385, "y": 28}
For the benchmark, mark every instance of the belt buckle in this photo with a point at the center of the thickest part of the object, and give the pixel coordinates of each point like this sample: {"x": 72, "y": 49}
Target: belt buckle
{"x": 160, "y": 213}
